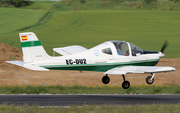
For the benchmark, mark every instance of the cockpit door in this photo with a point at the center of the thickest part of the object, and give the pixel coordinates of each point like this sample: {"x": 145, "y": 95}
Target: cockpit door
{"x": 121, "y": 51}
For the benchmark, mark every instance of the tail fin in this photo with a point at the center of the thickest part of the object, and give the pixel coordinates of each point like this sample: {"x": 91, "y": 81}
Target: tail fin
{"x": 32, "y": 49}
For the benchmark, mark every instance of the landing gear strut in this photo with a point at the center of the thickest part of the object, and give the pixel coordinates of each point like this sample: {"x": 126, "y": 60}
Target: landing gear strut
{"x": 106, "y": 79}
{"x": 150, "y": 79}
{"x": 125, "y": 84}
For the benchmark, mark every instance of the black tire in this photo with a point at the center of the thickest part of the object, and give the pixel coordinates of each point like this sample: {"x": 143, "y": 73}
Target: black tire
{"x": 105, "y": 79}
{"x": 148, "y": 80}
{"x": 126, "y": 84}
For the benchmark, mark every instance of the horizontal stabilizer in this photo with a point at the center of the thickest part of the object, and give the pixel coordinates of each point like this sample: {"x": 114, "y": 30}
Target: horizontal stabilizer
{"x": 69, "y": 50}
{"x": 20, "y": 63}
{"x": 139, "y": 69}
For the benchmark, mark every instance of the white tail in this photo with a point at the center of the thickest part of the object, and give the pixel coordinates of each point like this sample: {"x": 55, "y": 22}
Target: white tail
{"x": 32, "y": 49}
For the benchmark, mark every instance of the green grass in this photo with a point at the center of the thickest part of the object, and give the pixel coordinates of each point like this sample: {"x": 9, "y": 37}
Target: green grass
{"x": 154, "y": 108}
{"x": 15, "y": 19}
{"x": 89, "y": 90}
{"x": 146, "y": 29}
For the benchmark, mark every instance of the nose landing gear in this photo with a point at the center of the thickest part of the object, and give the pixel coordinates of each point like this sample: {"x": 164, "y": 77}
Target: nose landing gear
{"x": 150, "y": 79}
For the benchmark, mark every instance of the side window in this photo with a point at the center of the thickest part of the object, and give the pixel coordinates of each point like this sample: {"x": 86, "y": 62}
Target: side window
{"x": 122, "y": 48}
{"x": 107, "y": 51}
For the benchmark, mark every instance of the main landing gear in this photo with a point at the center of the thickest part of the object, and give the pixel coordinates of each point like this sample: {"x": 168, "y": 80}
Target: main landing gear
{"x": 126, "y": 84}
{"x": 106, "y": 79}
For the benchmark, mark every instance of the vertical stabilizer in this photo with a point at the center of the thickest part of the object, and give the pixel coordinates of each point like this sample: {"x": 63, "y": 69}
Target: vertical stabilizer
{"x": 32, "y": 49}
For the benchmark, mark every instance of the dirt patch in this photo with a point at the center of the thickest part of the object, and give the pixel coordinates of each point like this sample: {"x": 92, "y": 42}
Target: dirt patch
{"x": 15, "y": 75}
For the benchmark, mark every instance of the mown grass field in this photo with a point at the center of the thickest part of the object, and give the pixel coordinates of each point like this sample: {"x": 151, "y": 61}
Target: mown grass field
{"x": 89, "y": 90}
{"x": 16, "y": 19}
{"x": 13, "y": 20}
{"x": 155, "y": 108}
{"x": 146, "y": 29}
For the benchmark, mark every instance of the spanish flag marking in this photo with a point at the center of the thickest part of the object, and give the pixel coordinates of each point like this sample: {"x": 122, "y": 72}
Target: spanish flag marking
{"x": 23, "y": 38}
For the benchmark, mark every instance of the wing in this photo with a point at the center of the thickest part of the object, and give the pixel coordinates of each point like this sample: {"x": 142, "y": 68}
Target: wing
{"x": 20, "y": 63}
{"x": 69, "y": 50}
{"x": 139, "y": 69}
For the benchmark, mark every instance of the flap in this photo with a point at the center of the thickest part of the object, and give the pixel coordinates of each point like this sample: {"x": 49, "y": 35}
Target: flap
{"x": 139, "y": 69}
{"x": 69, "y": 50}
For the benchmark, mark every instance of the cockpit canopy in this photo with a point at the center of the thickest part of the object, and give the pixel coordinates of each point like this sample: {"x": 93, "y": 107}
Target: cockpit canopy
{"x": 125, "y": 48}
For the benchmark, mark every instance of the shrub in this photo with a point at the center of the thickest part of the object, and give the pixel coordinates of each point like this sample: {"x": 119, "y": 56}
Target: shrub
{"x": 16, "y": 3}
{"x": 174, "y": 7}
{"x": 3, "y": 50}
{"x": 12, "y": 57}
{"x": 149, "y": 1}
{"x": 82, "y": 1}
{"x": 176, "y": 1}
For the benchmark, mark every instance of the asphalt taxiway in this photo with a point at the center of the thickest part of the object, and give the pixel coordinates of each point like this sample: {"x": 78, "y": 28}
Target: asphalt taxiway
{"x": 83, "y": 99}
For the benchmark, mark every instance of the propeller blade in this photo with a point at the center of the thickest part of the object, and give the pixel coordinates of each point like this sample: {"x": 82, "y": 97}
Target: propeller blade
{"x": 164, "y": 46}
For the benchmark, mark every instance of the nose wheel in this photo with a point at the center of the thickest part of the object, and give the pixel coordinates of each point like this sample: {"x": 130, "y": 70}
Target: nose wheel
{"x": 150, "y": 79}
{"x": 105, "y": 79}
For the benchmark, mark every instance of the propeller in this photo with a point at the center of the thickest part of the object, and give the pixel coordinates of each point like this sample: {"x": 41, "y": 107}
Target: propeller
{"x": 164, "y": 46}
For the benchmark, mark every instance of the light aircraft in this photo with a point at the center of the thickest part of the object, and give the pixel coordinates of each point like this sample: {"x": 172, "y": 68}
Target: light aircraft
{"x": 111, "y": 57}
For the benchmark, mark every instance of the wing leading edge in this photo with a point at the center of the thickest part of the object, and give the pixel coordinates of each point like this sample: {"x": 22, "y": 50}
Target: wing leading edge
{"x": 139, "y": 69}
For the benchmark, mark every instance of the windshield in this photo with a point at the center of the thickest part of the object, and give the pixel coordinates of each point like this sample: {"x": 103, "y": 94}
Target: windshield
{"x": 121, "y": 48}
{"x": 135, "y": 50}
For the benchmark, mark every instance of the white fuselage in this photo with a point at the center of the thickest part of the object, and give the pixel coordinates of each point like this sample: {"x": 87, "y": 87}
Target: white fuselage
{"x": 95, "y": 59}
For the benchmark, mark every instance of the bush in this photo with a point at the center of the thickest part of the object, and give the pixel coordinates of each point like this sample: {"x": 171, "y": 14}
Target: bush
{"x": 149, "y": 1}
{"x": 16, "y": 3}
{"x": 174, "y": 7}
{"x": 82, "y": 1}
{"x": 176, "y": 1}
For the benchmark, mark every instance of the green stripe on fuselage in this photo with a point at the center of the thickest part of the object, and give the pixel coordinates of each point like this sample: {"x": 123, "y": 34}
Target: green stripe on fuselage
{"x": 30, "y": 43}
{"x": 102, "y": 67}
